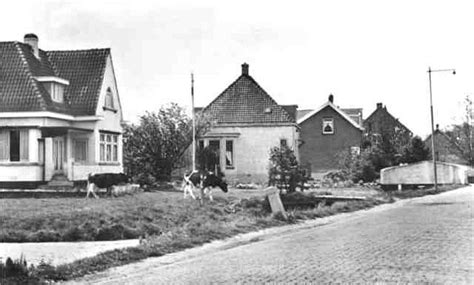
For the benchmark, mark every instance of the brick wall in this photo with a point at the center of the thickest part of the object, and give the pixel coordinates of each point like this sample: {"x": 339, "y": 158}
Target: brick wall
{"x": 320, "y": 150}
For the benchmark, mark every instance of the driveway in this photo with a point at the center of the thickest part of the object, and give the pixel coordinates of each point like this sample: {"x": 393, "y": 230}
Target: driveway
{"x": 422, "y": 240}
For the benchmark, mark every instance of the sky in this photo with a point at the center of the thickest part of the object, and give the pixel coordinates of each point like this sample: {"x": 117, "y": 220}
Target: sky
{"x": 363, "y": 52}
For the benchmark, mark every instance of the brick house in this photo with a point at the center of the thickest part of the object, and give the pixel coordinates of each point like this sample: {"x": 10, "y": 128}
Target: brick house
{"x": 382, "y": 122}
{"x": 325, "y": 133}
{"x": 445, "y": 149}
{"x": 247, "y": 123}
{"x": 60, "y": 114}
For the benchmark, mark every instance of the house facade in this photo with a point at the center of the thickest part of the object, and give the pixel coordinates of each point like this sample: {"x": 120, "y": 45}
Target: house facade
{"x": 60, "y": 114}
{"x": 247, "y": 123}
{"x": 445, "y": 149}
{"x": 325, "y": 133}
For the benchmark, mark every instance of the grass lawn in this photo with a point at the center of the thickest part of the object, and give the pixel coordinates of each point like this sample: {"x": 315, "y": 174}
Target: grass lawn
{"x": 79, "y": 219}
{"x": 167, "y": 221}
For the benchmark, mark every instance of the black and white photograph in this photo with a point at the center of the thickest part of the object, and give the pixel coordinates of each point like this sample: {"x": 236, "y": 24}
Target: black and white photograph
{"x": 236, "y": 142}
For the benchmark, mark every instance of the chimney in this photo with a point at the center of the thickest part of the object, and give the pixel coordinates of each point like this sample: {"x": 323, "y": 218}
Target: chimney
{"x": 331, "y": 98}
{"x": 245, "y": 69}
{"x": 32, "y": 40}
{"x": 379, "y": 105}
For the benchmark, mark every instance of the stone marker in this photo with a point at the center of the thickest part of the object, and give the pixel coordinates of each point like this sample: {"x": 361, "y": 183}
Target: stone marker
{"x": 273, "y": 195}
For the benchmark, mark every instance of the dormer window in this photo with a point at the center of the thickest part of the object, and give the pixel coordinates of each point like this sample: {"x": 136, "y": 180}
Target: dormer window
{"x": 109, "y": 99}
{"x": 54, "y": 86}
{"x": 56, "y": 91}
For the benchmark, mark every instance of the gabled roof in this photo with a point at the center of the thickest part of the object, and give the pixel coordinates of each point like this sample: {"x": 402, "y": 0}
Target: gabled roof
{"x": 440, "y": 134}
{"x": 21, "y": 92}
{"x": 381, "y": 111}
{"x": 309, "y": 114}
{"x": 245, "y": 102}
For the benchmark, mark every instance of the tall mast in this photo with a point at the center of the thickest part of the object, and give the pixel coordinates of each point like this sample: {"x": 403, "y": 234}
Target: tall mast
{"x": 194, "y": 122}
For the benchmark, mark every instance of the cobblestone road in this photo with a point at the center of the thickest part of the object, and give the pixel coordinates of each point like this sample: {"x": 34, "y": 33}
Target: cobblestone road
{"x": 424, "y": 240}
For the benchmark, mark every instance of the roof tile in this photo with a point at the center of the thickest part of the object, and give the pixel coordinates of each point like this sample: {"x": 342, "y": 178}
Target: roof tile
{"x": 245, "y": 102}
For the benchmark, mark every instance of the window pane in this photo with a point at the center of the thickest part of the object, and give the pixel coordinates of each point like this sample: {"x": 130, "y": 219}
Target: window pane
{"x": 283, "y": 143}
{"x": 229, "y": 153}
{"x": 328, "y": 126}
{"x": 109, "y": 99}
{"x": 109, "y": 138}
{"x": 109, "y": 152}
{"x": 102, "y": 137}
{"x": 4, "y": 145}
{"x": 102, "y": 152}
{"x": 115, "y": 153}
{"x": 115, "y": 139}
{"x": 24, "y": 145}
{"x": 80, "y": 150}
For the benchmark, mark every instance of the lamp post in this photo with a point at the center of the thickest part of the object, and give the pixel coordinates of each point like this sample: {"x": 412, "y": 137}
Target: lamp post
{"x": 194, "y": 122}
{"x": 433, "y": 152}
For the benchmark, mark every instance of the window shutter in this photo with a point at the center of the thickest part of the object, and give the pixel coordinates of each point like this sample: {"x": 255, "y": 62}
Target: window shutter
{"x": 24, "y": 145}
{"x": 4, "y": 145}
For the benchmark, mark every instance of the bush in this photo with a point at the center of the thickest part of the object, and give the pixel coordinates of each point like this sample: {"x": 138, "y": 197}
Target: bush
{"x": 284, "y": 172}
{"x": 17, "y": 272}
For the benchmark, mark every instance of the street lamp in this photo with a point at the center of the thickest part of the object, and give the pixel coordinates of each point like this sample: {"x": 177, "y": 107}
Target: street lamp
{"x": 433, "y": 152}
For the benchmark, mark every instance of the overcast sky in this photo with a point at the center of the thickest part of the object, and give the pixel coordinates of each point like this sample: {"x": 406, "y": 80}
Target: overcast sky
{"x": 363, "y": 52}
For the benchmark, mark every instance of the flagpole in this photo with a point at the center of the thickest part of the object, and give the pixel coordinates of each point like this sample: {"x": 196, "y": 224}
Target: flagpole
{"x": 194, "y": 122}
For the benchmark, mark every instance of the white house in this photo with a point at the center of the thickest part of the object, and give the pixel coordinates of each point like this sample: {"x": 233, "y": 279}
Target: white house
{"x": 247, "y": 123}
{"x": 60, "y": 114}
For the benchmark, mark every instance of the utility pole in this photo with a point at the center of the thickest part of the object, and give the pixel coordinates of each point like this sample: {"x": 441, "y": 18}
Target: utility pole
{"x": 194, "y": 122}
{"x": 433, "y": 151}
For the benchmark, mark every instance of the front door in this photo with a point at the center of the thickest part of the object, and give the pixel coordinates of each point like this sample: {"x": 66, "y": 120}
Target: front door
{"x": 58, "y": 154}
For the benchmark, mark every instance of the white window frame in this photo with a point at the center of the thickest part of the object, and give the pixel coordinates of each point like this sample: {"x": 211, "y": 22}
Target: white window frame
{"x": 230, "y": 154}
{"x": 109, "y": 99}
{"x": 328, "y": 122}
{"x": 108, "y": 147}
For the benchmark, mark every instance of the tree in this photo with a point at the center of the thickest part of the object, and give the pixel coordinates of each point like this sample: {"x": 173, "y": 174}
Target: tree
{"x": 284, "y": 171}
{"x": 155, "y": 144}
{"x": 415, "y": 151}
{"x": 462, "y": 134}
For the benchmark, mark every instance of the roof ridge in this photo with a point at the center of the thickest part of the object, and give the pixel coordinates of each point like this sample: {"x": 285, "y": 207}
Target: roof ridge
{"x": 26, "y": 69}
{"x": 81, "y": 50}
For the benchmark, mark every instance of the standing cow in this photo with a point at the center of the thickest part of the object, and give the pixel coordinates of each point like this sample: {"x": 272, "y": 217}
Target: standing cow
{"x": 205, "y": 181}
{"x": 105, "y": 180}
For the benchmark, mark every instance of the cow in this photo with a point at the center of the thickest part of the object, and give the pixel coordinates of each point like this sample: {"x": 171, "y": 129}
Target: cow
{"x": 104, "y": 180}
{"x": 205, "y": 181}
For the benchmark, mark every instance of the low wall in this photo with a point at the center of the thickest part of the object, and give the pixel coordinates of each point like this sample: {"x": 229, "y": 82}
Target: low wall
{"x": 422, "y": 173}
{"x": 21, "y": 172}
{"x": 81, "y": 171}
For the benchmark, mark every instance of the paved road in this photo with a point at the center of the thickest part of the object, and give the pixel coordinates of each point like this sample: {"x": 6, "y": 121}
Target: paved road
{"x": 424, "y": 240}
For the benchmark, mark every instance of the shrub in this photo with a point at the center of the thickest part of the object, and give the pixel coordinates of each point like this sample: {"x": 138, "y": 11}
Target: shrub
{"x": 284, "y": 171}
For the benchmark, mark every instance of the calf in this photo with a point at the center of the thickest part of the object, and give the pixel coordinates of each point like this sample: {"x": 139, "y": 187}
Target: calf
{"x": 105, "y": 180}
{"x": 205, "y": 180}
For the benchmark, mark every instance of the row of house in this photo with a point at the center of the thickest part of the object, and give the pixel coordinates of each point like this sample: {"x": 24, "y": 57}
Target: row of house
{"x": 61, "y": 119}
{"x": 247, "y": 123}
